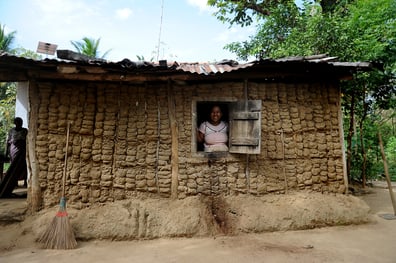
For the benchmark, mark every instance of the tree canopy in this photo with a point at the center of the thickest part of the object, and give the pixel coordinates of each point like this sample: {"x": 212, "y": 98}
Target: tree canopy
{"x": 352, "y": 30}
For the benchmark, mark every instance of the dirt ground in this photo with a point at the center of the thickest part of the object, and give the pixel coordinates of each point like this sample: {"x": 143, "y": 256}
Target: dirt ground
{"x": 370, "y": 242}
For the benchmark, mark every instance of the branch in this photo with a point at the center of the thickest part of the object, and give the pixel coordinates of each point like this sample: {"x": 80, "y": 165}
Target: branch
{"x": 261, "y": 8}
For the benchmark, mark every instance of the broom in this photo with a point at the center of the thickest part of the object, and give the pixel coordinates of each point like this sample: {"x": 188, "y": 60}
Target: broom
{"x": 59, "y": 234}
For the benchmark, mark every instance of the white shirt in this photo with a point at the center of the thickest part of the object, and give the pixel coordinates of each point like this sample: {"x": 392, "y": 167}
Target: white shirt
{"x": 214, "y": 134}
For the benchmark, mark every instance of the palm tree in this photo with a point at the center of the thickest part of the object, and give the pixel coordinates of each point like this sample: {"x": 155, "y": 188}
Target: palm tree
{"x": 141, "y": 58}
{"x": 7, "y": 90}
{"x": 89, "y": 47}
{"x": 6, "y": 39}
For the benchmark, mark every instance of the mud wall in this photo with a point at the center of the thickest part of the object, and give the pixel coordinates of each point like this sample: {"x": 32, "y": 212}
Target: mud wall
{"x": 120, "y": 142}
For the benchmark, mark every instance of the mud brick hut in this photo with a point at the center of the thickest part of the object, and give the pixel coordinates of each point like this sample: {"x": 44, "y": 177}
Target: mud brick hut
{"x": 133, "y": 127}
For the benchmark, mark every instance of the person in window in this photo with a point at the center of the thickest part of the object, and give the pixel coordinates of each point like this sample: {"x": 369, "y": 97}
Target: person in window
{"x": 214, "y": 133}
{"x": 16, "y": 151}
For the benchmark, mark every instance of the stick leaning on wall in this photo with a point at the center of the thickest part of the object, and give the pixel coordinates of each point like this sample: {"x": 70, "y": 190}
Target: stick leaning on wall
{"x": 388, "y": 180}
{"x": 59, "y": 234}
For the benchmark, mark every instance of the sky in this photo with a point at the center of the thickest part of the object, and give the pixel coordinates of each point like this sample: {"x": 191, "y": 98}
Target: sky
{"x": 189, "y": 31}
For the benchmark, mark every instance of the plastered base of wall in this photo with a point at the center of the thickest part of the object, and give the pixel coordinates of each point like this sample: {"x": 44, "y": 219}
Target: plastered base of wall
{"x": 209, "y": 216}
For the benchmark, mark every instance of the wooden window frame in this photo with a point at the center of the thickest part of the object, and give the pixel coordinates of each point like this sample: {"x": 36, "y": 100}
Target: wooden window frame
{"x": 245, "y": 116}
{"x": 194, "y": 122}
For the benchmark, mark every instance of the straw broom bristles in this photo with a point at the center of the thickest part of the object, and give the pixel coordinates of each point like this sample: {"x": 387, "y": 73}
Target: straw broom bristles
{"x": 59, "y": 234}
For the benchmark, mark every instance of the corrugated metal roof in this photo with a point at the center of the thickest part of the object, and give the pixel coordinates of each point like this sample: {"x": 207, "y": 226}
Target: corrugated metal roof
{"x": 212, "y": 68}
{"x": 206, "y": 68}
{"x": 230, "y": 65}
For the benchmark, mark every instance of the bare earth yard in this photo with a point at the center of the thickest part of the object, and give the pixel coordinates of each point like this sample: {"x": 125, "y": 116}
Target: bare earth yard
{"x": 370, "y": 242}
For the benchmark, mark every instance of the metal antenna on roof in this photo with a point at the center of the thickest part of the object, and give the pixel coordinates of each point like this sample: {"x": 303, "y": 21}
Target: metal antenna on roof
{"x": 160, "y": 29}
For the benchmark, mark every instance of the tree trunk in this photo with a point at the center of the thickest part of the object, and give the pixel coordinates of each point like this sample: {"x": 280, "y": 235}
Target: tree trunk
{"x": 362, "y": 147}
{"x": 364, "y": 155}
{"x": 350, "y": 135}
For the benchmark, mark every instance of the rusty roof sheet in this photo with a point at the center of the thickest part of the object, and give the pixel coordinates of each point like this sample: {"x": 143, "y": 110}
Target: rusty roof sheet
{"x": 212, "y": 68}
{"x": 205, "y": 68}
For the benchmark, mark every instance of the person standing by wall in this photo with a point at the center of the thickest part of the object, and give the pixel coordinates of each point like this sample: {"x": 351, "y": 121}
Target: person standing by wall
{"x": 16, "y": 151}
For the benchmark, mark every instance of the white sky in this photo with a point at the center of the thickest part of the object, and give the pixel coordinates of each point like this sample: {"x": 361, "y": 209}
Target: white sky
{"x": 190, "y": 33}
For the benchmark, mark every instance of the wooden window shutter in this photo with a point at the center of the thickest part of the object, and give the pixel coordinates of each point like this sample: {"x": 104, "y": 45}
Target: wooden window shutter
{"x": 245, "y": 127}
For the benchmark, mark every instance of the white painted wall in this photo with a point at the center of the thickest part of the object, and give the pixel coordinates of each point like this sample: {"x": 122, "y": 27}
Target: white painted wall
{"x": 22, "y": 107}
{"x": 22, "y": 102}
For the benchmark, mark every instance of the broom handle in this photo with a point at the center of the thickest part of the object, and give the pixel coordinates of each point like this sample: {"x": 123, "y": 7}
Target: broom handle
{"x": 65, "y": 166}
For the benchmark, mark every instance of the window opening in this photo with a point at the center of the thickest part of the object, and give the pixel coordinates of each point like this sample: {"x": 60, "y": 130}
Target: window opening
{"x": 203, "y": 114}
{"x": 244, "y": 126}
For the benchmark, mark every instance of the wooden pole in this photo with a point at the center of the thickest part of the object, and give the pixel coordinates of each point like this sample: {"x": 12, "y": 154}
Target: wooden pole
{"x": 247, "y": 170}
{"x": 158, "y": 145}
{"x": 175, "y": 141}
{"x": 34, "y": 200}
{"x": 281, "y": 132}
{"x": 65, "y": 163}
{"x": 387, "y": 173}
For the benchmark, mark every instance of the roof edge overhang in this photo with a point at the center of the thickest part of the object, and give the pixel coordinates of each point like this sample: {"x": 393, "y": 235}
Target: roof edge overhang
{"x": 16, "y": 69}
